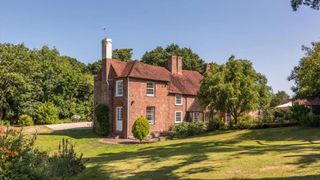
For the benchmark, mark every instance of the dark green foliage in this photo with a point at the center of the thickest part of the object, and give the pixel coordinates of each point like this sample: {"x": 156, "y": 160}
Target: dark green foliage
{"x": 141, "y": 128}
{"x": 306, "y": 75}
{"x": 122, "y": 54}
{"x": 20, "y": 159}
{"x": 32, "y": 77}
{"x": 185, "y": 129}
{"x": 25, "y": 120}
{"x": 217, "y": 124}
{"x": 159, "y": 57}
{"x": 310, "y": 119}
{"x": 47, "y": 113}
{"x": 277, "y": 97}
{"x": 102, "y": 115}
{"x": 234, "y": 87}
{"x": 299, "y": 112}
{"x": 314, "y": 4}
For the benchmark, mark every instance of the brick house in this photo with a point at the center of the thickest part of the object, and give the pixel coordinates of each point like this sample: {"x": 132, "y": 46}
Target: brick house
{"x": 164, "y": 95}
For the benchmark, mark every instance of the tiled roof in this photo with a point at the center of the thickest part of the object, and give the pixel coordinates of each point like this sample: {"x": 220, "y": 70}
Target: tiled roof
{"x": 187, "y": 83}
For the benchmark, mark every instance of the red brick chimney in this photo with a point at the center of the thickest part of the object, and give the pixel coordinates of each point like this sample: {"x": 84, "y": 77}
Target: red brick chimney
{"x": 175, "y": 64}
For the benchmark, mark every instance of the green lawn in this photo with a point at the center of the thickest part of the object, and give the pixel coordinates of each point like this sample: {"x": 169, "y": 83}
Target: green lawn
{"x": 279, "y": 153}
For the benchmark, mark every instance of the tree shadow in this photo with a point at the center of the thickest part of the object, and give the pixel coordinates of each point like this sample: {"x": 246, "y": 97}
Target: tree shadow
{"x": 73, "y": 133}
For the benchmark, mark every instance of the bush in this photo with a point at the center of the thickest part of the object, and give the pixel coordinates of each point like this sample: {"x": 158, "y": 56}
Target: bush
{"x": 4, "y": 123}
{"x": 25, "y": 120}
{"x": 247, "y": 122}
{"x": 185, "y": 129}
{"x": 47, "y": 113}
{"x": 21, "y": 160}
{"x": 310, "y": 119}
{"x": 141, "y": 128}
{"x": 217, "y": 124}
{"x": 299, "y": 112}
{"x": 102, "y": 116}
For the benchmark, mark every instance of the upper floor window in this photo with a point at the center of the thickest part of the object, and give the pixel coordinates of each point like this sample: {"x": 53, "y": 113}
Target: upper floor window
{"x": 150, "y": 89}
{"x": 150, "y": 114}
{"x": 179, "y": 99}
{"x": 178, "y": 116}
{"x": 119, "y": 88}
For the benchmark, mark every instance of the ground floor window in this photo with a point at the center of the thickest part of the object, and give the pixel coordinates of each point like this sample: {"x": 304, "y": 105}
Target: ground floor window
{"x": 178, "y": 116}
{"x": 196, "y": 116}
{"x": 150, "y": 114}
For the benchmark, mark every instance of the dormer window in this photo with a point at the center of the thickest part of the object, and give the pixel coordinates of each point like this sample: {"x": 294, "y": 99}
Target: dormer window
{"x": 179, "y": 99}
{"x": 150, "y": 89}
{"x": 119, "y": 88}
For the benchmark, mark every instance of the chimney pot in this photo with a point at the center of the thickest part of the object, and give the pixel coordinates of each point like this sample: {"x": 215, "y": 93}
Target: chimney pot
{"x": 106, "y": 48}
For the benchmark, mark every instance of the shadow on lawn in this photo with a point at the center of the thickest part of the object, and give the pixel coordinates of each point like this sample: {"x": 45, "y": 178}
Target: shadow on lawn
{"x": 197, "y": 152}
{"x": 74, "y": 133}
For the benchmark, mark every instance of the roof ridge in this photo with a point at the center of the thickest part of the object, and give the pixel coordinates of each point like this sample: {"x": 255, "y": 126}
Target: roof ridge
{"x": 133, "y": 63}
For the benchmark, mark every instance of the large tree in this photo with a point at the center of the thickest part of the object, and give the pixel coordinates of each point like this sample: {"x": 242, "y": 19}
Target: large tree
{"x": 314, "y": 4}
{"x": 235, "y": 88}
{"x": 32, "y": 77}
{"x": 120, "y": 54}
{"x": 306, "y": 75}
{"x": 159, "y": 57}
{"x": 277, "y": 97}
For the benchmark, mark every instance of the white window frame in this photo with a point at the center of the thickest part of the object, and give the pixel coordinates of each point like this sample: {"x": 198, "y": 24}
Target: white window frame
{"x": 175, "y": 116}
{"x": 118, "y": 94}
{"x": 119, "y": 116}
{"x": 152, "y": 121}
{"x": 153, "y": 89}
{"x": 181, "y": 103}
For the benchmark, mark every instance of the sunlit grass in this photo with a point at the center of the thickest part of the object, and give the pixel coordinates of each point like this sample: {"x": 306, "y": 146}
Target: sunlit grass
{"x": 290, "y": 153}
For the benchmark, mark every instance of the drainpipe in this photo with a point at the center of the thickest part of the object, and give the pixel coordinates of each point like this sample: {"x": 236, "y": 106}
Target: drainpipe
{"x": 128, "y": 105}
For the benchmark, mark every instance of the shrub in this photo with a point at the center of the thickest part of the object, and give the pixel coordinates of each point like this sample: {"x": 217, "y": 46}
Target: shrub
{"x": 4, "y": 123}
{"x": 217, "y": 124}
{"x": 21, "y": 160}
{"x": 65, "y": 163}
{"x": 185, "y": 129}
{"x": 102, "y": 116}
{"x": 310, "y": 119}
{"x": 247, "y": 122}
{"x": 25, "y": 120}
{"x": 141, "y": 128}
{"x": 299, "y": 112}
{"x": 47, "y": 113}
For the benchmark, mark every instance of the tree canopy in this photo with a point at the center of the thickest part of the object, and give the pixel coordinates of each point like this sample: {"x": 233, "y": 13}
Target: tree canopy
{"x": 159, "y": 57}
{"x": 235, "y": 88}
{"x": 314, "y": 4}
{"x": 277, "y": 97}
{"x": 30, "y": 78}
{"x": 306, "y": 75}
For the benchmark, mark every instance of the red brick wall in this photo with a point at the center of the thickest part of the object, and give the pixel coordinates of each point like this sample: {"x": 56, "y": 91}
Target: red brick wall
{"x": 163, "y": 102}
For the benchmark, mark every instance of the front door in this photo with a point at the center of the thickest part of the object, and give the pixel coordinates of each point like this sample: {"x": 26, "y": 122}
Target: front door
{"x": 119, "y": 118}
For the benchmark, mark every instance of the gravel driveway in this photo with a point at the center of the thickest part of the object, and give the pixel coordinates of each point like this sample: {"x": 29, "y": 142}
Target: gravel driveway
{"x": 65, "y": 126}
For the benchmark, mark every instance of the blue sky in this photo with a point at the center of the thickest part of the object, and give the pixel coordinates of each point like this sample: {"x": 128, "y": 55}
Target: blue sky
{"x": 267, "y": 32}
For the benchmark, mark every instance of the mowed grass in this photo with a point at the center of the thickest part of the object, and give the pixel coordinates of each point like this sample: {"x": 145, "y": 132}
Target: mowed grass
{"x": 279, "y": 153}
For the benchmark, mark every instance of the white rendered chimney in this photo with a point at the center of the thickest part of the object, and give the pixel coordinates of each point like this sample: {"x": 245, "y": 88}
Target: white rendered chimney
{"x": 106, "y": 48}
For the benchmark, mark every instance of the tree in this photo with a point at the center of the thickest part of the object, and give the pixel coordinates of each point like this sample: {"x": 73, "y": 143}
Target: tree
{"x": 141, "y": 128}
{"x": 307, "y": 74}
{"x": 234, "y": 87}
{"x": 32, "y": 77}
{"x": 159, "y": 57}
{"x": 120, "y": 54}
{"x": 314, "y": 4}
{"x": 277, "y": 97}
